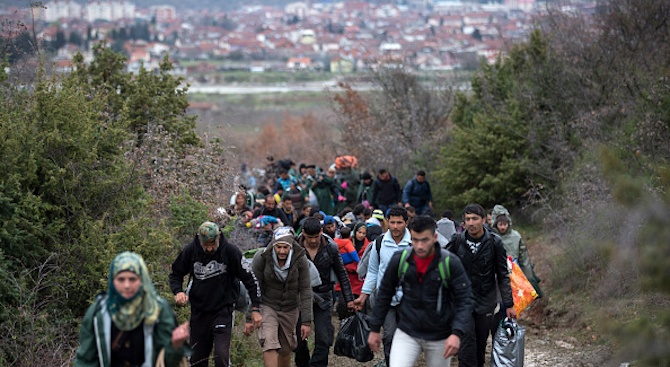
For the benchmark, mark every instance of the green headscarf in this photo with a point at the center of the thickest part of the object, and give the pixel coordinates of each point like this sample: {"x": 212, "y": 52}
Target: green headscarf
{"x": 127, "y": 314}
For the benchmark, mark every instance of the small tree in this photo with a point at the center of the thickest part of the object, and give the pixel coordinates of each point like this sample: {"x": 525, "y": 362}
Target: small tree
{"x": 400, "y": 121}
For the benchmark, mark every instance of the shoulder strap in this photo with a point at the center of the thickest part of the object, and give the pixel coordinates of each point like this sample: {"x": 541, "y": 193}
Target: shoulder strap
{"x": 444, "y": 269}
{"x": 403, "y": 265}
{"x": 378, "y": 244}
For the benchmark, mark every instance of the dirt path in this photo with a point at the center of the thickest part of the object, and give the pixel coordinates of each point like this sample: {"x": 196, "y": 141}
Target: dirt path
{"x": 544, "y": 345}
{"x": 543, "y": 348}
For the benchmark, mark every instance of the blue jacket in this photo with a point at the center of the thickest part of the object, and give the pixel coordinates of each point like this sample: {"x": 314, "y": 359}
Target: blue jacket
{"x": 416, "y": 193}
{"x": 379, "y": 262}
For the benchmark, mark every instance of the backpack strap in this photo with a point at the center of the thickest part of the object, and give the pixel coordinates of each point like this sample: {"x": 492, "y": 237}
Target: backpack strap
{"x": 403, "y": 265}
{"x": 442, "y": 266}
{"x": 378, "y": 244}
{"x": 445, "y": 270}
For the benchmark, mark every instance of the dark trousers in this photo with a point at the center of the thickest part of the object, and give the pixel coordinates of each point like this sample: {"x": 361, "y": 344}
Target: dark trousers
{"x": 323, "y": 336}
{"x": 341, "y": 306}
{"x": 302, "y": 350}
{"x": 388, "y": 330}
{"x": 211, "y": 328}
{"x": 473, "y": 345}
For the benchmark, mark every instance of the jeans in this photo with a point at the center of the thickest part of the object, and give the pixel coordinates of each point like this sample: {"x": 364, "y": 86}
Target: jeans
{"x": 208, "y": 329}
{"x": 406, "y": 351}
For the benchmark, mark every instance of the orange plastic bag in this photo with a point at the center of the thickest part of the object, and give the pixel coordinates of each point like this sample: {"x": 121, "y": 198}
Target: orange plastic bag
{"x": 346, "y": 161}
{"x": 523, "y": 292}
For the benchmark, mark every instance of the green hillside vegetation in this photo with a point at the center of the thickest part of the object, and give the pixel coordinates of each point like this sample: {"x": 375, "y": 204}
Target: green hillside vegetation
{"x": 575, "y": 124}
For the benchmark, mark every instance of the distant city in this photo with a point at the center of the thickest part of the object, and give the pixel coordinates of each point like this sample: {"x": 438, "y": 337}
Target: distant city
{"x": 336, "y": 37}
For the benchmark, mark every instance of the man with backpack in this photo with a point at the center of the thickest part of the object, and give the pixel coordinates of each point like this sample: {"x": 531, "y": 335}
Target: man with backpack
{"x": 417, "y": 193}
{"x": 485, "y": 261}
{"x": 395, "y": 239}
{"x": 435, "y": 311}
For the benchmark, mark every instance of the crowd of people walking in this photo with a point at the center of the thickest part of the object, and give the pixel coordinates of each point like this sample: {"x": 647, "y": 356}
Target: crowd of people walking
{"x": 321, "y": 240}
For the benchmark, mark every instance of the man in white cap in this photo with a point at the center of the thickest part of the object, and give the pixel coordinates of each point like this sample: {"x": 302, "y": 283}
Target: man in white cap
{"x": 283, "y": 274}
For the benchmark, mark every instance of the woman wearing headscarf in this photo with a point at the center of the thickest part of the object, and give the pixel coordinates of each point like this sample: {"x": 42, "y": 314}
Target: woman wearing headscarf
{"x": 130, "y": 325}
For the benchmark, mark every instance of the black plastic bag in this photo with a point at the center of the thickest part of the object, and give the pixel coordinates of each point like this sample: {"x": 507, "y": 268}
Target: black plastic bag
{"x": 352, "y": 339}
{"x": 508, "y": 344}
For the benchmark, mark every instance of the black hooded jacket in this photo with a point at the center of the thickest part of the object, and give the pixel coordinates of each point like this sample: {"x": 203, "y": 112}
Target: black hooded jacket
{"x": 215, "y": 277}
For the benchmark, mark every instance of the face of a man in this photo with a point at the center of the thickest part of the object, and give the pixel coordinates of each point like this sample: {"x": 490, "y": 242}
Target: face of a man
{"x": 270, "y": 203}
{"x": 384, "y": 176}
{"x": 312, "y": 240}
{"x": 397, "y": 226}
{"x": 474, "y": 224}
{"x": 211, "y": 245}
{"x": 420, "y": 179}
{"x": 329, "y": 229}
{"x": 282, "y": 250}
{"x": 331, "y": 173}
{"x": 287, "y": 204}
{"x": 311, "y": 171}
{"x": 367, "y": 182}
{"x": 423, "y": 243}
{"x": 502, "y": 227}
{"x": 410, "y": 215}
{"x": 127, "y": 283}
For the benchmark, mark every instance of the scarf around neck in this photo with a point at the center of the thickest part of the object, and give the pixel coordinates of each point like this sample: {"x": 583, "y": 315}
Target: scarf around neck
{"x": 281, "y": 271}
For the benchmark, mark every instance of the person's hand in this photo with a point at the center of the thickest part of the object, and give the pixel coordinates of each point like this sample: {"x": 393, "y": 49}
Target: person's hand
{"x": 351, "y": 305}
{"x": 179, "y": 335}
{"x": 180, "y": 298}
{"x": 305, "y": 330}
{"x": 511, "y": 313}
{"x": 406, "y": 205}
{"x": 451, "y": 346}
{"x": 248, "y": 328}
{"x": 256, "y": 319}
{"x": 375, "y": 341}
{"x": 359, "y": 302}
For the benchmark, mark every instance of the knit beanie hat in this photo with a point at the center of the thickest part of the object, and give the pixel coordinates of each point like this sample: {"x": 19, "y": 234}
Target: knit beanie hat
{"x": 283, "y": 235}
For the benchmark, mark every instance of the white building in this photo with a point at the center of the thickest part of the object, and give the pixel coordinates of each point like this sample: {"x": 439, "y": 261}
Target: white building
{"x": 164, "y": 13}
{"x": 61, "y": 9}
{"x": 109, "y": 10}
{"x": 298, "y": 9}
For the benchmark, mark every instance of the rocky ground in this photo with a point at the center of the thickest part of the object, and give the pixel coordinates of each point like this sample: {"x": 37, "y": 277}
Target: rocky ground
{"x": 543, "y": 347}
